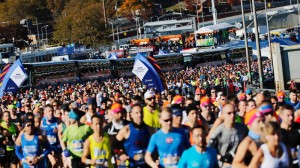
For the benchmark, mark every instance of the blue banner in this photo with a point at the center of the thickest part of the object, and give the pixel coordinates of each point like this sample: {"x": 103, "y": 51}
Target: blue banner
{"x": 13, "y": 79}
{"x": 146, "y": 73}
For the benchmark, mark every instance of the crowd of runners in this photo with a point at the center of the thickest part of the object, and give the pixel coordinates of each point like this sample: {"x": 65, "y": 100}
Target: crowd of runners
{"x": 202, "y": 120}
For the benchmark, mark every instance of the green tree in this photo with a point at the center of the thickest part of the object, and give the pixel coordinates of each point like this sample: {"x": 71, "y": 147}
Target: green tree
{"x": 81, "y": 21}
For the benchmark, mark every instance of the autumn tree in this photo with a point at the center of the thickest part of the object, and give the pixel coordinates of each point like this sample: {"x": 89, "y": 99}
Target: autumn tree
{"x": 14, "y": 11}
{"x": 81, "y": 21}
{"x": 131, "y": 8}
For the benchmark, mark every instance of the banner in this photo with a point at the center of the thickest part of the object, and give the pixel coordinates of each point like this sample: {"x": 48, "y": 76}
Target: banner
{"x": 145, "y": 71}
{"x": 13, "y": 79}
{"x": 205, "y": 42}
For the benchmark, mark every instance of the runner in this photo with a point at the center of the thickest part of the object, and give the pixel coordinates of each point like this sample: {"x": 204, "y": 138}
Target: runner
{"x": 97, "y": 147}
{"x": 73, "y": 139}
{"x": 10, "y": 157}
{"x": 151, "y": 112}
{"x": 273, "y": 153}
{"x": 227, "y": 136}
{"x": 87, "y": 118}
{"x": 169, "y": 143}
{"x": 32, "y": 147}
{"x": 49, "y": 126}
{"x": 135, "y": 138}
{"x": 290, "y": 131}
{"x": 199, "y": 155}
{"x": 249, "y": 146}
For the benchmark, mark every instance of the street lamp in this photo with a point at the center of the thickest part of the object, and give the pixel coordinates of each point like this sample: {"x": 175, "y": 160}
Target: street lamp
{"x": 46, "y": 34}
{"x": 197, "y": 14}
{"x": 269, "y": 37}
{"x": 37, "y": 29}
{"x": 112, "y": 29}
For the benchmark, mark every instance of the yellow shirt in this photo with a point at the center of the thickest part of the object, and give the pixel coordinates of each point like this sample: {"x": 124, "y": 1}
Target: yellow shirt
{"x": 151, "y": 119}
{"x": 101, "y": 150}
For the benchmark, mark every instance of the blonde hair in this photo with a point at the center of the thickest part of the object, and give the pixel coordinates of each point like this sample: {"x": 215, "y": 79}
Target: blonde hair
{"x": 270, "y": 128}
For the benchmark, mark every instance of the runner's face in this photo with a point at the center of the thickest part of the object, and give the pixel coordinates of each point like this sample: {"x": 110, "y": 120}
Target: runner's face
{"x": 166, "y": 120}
{"x": 37, "y": 122}
{"x": 137, "y": 115}
{"x": 192, "y": 116}
{"x": 49, "y": 113}
{"x": 199, "y": 137}
{"x": 6, "y": 117}
{"x": 287, "y": 116}
{"x": 96, "y": 125}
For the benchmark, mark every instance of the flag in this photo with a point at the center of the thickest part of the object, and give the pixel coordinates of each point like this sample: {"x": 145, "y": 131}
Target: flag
{"x": 145, "y": 71}
{"x": 161, "y": 52}
{"x": 113, "y": 55}
{"x": 14, "y": 78}
{"x": 153, "y": 62}
{"x": 3, "y": 73}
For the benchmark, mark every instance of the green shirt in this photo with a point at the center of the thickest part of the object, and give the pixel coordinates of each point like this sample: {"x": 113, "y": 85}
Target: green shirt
{"x": 75, "y": 137}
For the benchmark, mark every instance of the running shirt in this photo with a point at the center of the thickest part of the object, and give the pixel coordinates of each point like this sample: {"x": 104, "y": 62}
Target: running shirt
{"x": 270, "y": 161}
{"x": 136, "y": 145}
{"x": 50, "y": 131}
{"x": 191, "y": 158}
{"x": 13, "y": 131}
{"x": 100, "y": 151}
{"x": 2, "y": 146}
{"x": 75, "y": 137}
{"x": 151, "y": 119}
{"x": 170, "y": 146}
{"x": 30, "y": 149}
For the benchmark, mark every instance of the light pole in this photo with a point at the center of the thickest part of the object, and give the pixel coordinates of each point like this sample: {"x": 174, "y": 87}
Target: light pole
{"x": 46, "y": 34}
{"x": 269, "y": 36}
{"x": 37, "y": 29}
{"x": 257, "y": 47}
{"x": 179, "y": 4}
{"x": 112, "y": 29}
{"x": 197, "y": 14}
{"x": 104, "y": 13}
{"x": 246, "y": 42}
{"x": 42, "y": 35}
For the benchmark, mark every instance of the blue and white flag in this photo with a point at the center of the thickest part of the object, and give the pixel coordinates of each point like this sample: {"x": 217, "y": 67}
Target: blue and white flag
{"x": 147, "y": 74}
{"x": 161, "y": 52}
{"x": 113, "y": 56}
{"x": 13, "y": 79}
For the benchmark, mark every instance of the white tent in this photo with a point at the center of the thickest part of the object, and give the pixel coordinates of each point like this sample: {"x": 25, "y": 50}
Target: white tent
{"x": 212, "y": 28}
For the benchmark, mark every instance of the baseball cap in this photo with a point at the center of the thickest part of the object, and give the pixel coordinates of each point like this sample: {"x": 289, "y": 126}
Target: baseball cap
{"x": 248, "y": 91}
{"x": 178, "y": 99}
{"x": 91, "y": 101}
{"x": 176, "y": 110}
{"x": 73, "y": 115}
{"x": 149, "y": 94}
{"x": 116, "y": 108}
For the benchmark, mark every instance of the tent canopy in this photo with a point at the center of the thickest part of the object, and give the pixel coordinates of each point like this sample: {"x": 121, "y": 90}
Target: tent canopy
{"x": 283, "y": 41}
{"x": 212, "y": 28}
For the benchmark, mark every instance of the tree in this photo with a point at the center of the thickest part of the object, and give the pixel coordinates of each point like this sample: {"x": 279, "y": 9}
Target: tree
{"x": 14, "y": 11}
{"x": 81, "y": 21}
{"x": 132, "y": 8}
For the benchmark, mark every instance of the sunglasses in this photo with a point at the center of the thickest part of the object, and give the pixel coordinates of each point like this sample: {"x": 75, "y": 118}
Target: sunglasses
{"x": 168, "y": 120}
{"x": 28, "y": 125}
{"x": 151, "y": 98}
{"x": 269, "y": 113}
{"x": 206, "y": 106}
{"x": 229, "y": 113}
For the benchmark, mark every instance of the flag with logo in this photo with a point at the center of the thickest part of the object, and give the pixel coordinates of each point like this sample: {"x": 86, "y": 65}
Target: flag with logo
{"x": 13, "y": 79}
{"x": 147, "y": 73}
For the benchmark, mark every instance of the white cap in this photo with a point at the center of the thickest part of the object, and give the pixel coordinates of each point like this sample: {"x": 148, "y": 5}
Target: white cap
{"x": 149, "y": 94}
{"x": 219, "y": 95}
{"x": 48, "y": 102}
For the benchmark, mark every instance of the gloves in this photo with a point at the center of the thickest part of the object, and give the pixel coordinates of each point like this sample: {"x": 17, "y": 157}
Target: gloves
{"x": 227, "y": 158}
{"x": 67, "y": 153}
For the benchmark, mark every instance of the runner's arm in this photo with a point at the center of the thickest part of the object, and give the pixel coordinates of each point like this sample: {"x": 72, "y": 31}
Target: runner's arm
{"x": 46, "y": 145}
{"x": 86, "y": 153}
{"x": 149, "y": 160}
{"x": 238, "y": 160}
{"x": 257, "y": 159}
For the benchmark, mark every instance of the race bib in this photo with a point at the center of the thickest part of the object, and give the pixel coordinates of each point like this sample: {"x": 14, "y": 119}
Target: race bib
{"x": 170, "y": 161}
{"x": 77, "y": 145}
{"x": 2, "y": 152}
{"x": 51, "y": 139}
{"x": 138, "y": 157}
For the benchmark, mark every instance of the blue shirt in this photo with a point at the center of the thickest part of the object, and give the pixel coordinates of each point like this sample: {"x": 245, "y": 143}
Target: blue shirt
{"x": 191, "y": 158}
{"x": 169, "y": 146}
{"x": 295, "y": 105}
